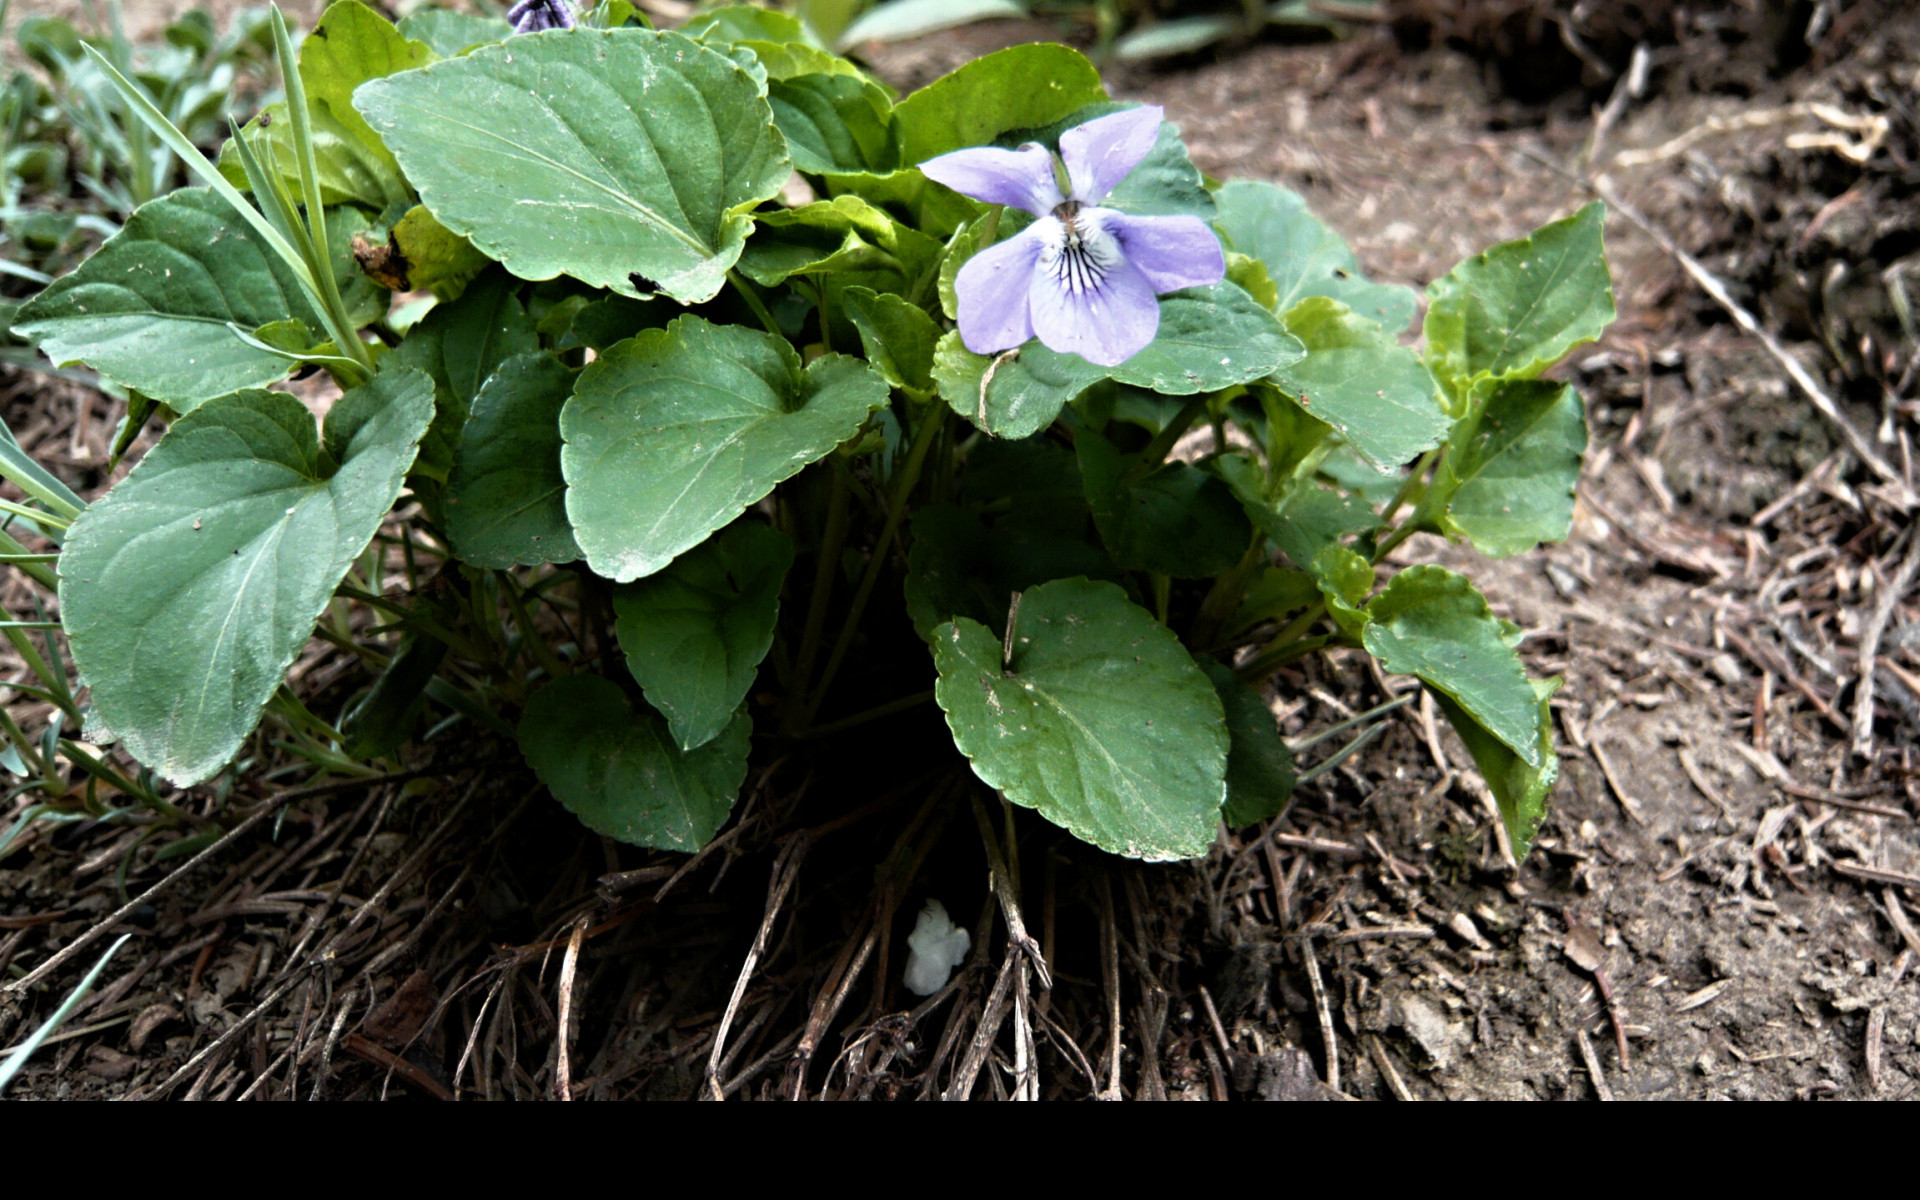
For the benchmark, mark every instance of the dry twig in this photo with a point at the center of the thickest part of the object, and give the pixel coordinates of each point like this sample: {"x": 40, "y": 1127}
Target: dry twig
{"x": 1889, "y": 598}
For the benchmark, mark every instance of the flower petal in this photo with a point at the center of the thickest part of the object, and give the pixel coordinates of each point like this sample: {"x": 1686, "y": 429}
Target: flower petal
{"x": 533, "y": 16}
{"x": 1172, "y": 252}
{"x": 1020, "y": 178}
{"x": 1100, "y": 153}
{"x": 1105, "y": 324}
{"x": 992, "y": 289}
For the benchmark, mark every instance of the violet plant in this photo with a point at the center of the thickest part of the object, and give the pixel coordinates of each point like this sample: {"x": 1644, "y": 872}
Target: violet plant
{"x": 716, "y": 370}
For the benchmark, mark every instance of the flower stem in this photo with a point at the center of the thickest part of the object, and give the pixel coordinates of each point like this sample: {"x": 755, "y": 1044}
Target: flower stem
{"x": 1284, "y": 648}
{"x": 1162, "y": 443}
{"x": 903, "y": 486}
{"x": 755, "y": 303}
{"x": 1409, "y": 489}
{"x": 832, "y": 539}
{"x": 1224, "y": 597}
{"x": 872, "y": 714}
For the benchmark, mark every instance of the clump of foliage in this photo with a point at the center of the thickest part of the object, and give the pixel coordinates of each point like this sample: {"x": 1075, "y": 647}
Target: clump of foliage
{"x": 75, "y": 162}
{"x": 675, "y": 400}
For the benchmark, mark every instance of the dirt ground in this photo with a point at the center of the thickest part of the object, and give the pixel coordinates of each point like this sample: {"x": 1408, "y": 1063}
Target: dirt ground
{"x": 1718, "y": 856}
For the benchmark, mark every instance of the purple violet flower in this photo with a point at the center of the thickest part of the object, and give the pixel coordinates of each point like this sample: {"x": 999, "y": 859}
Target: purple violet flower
{"x": 1081, "y": 278}
{"x": 532, "y": 16}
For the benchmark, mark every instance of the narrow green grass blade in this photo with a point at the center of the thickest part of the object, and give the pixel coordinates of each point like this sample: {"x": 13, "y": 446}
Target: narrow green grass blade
{"x": 302, "y": 118}
{"x": 344, "y": 334}
{"x": 39, "y": 516}
{"x": 18, "y": 467}
{"x": 24, "y": 1050}
{"x": 274, "y": 201}
{"x": 17, "y": 554}
{"x": 208, "y": 174}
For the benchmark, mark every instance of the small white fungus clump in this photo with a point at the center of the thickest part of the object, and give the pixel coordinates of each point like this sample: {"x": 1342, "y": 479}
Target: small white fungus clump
{"x": 937, "y": 946}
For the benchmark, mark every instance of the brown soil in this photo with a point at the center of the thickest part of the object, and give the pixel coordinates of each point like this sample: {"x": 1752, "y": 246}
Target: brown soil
{"x": 1708, "y": 634}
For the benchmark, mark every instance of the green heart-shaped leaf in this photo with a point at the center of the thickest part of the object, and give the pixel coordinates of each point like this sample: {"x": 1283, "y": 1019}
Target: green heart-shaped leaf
{"x": 1021, "y": 87}
{"x": 898, "y": 336}
{"x": 1433, "y": 623}
{"x": 672, "y": 433}
{"x": 188, "y": 590}
{"x": 449, "y": 32}
{"x": 835, "y": 121}
{"x": 459, "y": 344}
{"x": 506, "y": 498}
{"x": 590, "y": 153}
{"x": 1358, "y": 379}
{"x": 1101, "y": 722}
{"x": 1517, "y": 309}
{"x": 617, "y": 769}
{"x": 1519, "y": 787}
{"x": 694, "y": 633}
{"x": 153, "y": 309}
{"x": 1302, "y": 255}
{"x": 1175, "y": 519}
{"x": 1210, "y": 338}
{"x": 1516, "y": 468}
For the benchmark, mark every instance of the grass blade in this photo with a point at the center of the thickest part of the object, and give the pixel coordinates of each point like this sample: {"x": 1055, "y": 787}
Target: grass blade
{"x": 136, "y": 98}
{"x": 24, "y": 1050}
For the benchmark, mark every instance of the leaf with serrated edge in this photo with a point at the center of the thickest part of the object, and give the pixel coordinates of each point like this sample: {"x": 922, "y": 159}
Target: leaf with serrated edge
{"x": 1021, "y": 87}
{"x": 672, "y": 433}
{"x": 1176, "y": 519}
{"x": 1358, "y": 379}
{"x": 1518, "y": 788}
{"x": 898, "y": 337}
{"x": 1517, "y": 309}
{"x": 694, "y": 633}
{"x": 1518, "y": 470}
{"x": 594, "y": 154}
{"x": 153, "y": 309}
{"x": 188, "y": 590}
{"x": 1024, "y": 390}
{"x": 1433, "y": 623}
{"x": 1302, "y": 255}
{"x": 450, "y": 32}
{"x": 459, "y": 344}
{"x": 835, "y": 122}
{"x": 618, "y": 770}
{"x": 1210, "y": 338}
{"x": 506, "y": 499}
{"x": 1102, "y": 722}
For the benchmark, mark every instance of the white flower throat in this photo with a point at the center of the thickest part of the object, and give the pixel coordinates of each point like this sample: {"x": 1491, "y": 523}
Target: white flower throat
{"x": 1076, "y": 247}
